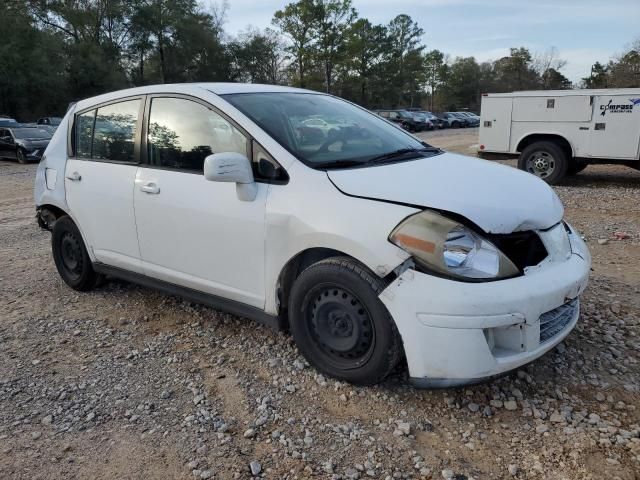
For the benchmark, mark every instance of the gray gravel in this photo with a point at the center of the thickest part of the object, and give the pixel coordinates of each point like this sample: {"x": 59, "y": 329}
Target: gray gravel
{"x": 124, "y": 382}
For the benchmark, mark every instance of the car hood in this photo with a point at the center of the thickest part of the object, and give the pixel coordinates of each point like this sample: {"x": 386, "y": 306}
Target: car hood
{"x": 33, "y": 142}
{"x": 497, "y": 198}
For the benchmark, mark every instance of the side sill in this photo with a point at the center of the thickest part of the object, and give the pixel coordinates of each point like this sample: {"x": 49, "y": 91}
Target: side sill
{"x": 230, "y": 306}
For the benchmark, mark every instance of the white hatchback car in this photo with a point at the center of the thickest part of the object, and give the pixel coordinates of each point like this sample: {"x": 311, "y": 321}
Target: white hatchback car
{"x": 370, "y": 246}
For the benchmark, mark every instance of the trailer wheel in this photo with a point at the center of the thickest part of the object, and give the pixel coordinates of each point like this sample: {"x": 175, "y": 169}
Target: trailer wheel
{"x": 545, "y": 160}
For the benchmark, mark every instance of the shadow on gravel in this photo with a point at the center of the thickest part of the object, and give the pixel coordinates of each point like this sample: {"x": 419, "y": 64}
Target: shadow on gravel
{"x": 620, "y": 179}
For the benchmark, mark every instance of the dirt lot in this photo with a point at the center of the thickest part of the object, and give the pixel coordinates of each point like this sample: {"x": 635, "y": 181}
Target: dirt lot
{"x": 125, "y": 382}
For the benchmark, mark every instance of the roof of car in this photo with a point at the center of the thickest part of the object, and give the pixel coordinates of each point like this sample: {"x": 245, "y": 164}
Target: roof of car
{"x": 190, "y": 88}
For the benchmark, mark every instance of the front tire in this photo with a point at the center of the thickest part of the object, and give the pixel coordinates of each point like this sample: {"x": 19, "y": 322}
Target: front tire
{"x": 546, "y": 160}
{"x": 71, "y": 257}
{"x": 20, "y": 156}
{"x": 340, "y": 325}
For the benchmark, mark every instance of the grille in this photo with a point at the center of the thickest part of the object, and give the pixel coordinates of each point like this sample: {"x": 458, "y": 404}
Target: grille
{"x": 555, "y": 321}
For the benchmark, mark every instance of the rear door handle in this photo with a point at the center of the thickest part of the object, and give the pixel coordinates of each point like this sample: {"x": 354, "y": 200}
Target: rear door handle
{"x": 150, "y": 188}
{"x": 74, "y": 177}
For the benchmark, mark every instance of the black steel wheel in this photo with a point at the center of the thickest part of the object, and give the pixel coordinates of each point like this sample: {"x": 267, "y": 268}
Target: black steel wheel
{"x": 339, "y": 323}
{"x": 71, "y": 257}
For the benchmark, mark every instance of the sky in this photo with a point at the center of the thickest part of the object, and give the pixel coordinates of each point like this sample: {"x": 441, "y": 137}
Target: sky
{"x": 583, "y": 31}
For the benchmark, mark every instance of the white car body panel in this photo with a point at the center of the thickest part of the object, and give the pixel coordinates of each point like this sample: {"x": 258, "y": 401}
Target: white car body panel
{"x": 198, "y": 234}
{"x": 216, "y": 241}
{"x": 463, "y": 185}
{"x": 327, "y": 219}
{"x": 102, "y": 202}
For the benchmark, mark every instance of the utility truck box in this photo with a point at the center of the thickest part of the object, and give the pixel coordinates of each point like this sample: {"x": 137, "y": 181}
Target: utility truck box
{"x": 556, "y": 133}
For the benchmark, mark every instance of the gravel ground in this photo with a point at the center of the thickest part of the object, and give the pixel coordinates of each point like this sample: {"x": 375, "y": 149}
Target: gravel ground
{"x": 124, "y": 382}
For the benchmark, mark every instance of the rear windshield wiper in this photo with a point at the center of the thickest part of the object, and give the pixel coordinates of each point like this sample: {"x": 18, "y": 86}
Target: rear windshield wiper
{"x": 402, "y": 152}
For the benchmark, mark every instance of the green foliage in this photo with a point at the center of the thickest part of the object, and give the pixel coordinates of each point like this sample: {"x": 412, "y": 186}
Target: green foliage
{"x": 53, "y": 52}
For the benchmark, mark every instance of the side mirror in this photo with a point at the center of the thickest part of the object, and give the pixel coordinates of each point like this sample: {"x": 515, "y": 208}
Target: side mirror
{"x": 232, "y": 167}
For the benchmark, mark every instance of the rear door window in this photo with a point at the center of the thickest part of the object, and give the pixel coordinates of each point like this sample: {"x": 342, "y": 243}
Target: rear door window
{"x": 84, "y": 133}
{"x": 115, "y": 131}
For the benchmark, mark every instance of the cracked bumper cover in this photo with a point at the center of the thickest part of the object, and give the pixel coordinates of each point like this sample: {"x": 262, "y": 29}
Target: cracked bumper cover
{"x": 458, "y": 333}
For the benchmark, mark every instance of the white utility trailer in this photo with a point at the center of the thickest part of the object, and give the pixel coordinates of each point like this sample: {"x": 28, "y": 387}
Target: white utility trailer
{"x": 560, "y": 132}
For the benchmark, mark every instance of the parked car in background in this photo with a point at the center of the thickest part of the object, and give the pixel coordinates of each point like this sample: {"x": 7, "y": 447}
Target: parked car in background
{"x": 464, "y": 120}
{"x": 360, "y": 243}
{"x": 453, "y": 121}
{"x": 53, "y": 121}
{"x": 435, "y": 120}
{"x": 8, "y": 122}
{"x": 472, "y": 119}
{"x": 404, "y": 118}
{"x": 423, "y": 122}
{"x": 23, "y": 144}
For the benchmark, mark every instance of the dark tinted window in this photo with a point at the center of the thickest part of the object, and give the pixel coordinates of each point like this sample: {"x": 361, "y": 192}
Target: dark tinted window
{"x": 182, "y": 133}
{"x": 84, "y": 134}
{"x": 348, "y": 134}
{"x": 115, "y": 131}
{"x": 39, "y": 133}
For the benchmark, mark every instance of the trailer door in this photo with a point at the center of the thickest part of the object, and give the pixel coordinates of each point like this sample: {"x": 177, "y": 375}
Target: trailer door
{"x": 615, "y": 128}
{"x": 495, "y": 123}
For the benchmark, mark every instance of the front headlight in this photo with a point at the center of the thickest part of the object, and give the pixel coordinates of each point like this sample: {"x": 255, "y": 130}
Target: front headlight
{"x": 448, "y": 247}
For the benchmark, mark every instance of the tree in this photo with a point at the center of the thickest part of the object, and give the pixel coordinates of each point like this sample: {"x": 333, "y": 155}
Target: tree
{"x": 435, "y": 73}
{"x": 364, "y": 50}
{"x": 297, "y": 21}
{"x": 332, "y": 20}
{"x": 258, "y": 57}
{"x": 625, "y": 72}
{"x": 516, "y": 71}
{"x": 599, "y": 77}
{"x": 554, "y": 80}
{"x": 463, "y": 84}
{"x": 405, "y": 68}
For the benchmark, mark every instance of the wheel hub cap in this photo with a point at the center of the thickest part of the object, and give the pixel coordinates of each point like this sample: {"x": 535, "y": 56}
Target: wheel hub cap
{"x": 340, "y": 325}
{"x": 541, "y": 164}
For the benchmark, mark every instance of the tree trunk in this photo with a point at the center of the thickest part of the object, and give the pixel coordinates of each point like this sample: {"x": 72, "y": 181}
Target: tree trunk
{"x": 141, "y": 66}
{"x": 163, "y": 69}
{"x": 301, "y": 70}
{"x": 327, "y": 71}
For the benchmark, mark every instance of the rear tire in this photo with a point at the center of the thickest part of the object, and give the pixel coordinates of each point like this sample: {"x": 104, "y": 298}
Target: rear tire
{"x": 71, "y": 257}
{"x": 546, "y": 160}
{"x": 340, "y": 325}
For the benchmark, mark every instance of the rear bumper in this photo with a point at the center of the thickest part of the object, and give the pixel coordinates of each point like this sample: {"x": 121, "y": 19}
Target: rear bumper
{"x": 456, "y": 333}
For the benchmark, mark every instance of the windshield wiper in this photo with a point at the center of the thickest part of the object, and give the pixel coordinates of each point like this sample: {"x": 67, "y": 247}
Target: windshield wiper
{"x": 339, "y": 164}
{"x": 402, "y": 152}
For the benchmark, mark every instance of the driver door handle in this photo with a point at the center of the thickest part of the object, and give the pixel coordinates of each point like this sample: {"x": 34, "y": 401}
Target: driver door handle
{"x": 151, "y": 188}
{"x": 74, "y": 177}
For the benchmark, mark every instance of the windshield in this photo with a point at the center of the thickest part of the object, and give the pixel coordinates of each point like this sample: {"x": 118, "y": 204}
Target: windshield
{"x": 55, "y": 120}
{"x": 324, "y": 131}
{"x": 31, "y": 133}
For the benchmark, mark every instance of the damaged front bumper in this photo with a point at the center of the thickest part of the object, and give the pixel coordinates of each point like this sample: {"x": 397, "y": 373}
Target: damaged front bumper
{"x": 457, "y": 333}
